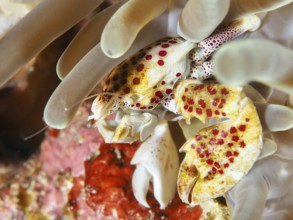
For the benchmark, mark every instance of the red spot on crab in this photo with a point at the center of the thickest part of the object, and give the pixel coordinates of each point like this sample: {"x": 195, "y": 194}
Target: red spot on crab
{"x": 215, "y": 132}
{"x": 230, "y": 144}
{"x": 160, "y": 62}
{"x": 159, "y": 94}
{"x": 229, "y": 154}
{"x": 233, "y": 130}
{"x": 136, "y": 81}
{"x": 169, "y": 91}
{"x": 140, "y": 67}
{"x": 165, "y": 45}
{"x": 200, "y": 87}
{"x": 197, "y": 137}
{"x": 178, "y": 74}
{"x": 209, "y": 161}
{"x": 212, "y": 141}
{"x": 202, "y": 103}
{"x": 242, "y": 128}
{"x": 127, "y": 90}
{"x": 220, "y": 141}
{"x": 216, "y": 164}
{"x": 211, "y": 90}
{"x": 221, "y": 105}
{"x": 209, "y": 112}
{"x": 162, "y": 53}
{"x": 190, "y": 101}
{"x": 198, "y": 111}
{"x": 215, "y": 102}
{"x": 148, "y": 57}
{"x": 224, "y": 91}
{"x": 235, "y": 138}
{"x": 242, "y": 144}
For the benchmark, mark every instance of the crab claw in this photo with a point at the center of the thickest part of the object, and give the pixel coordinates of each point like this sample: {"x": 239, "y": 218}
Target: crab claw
{"x": 118, "y": 126}
{"x": 218, "y": 156}
{"x": 127, "y": 128}
{"x": 207, "y": 101}
{"x": 156, "y": 160}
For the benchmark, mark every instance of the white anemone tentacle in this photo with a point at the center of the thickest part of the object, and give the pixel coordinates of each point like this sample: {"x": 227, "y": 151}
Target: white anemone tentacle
{"x": 156, "y": 160}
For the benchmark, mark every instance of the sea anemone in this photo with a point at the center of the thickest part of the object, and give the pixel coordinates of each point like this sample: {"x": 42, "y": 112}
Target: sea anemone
{"x": 84, "y": 64}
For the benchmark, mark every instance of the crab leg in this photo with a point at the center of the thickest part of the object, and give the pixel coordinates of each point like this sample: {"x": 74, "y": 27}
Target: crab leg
{"x": 202, "y": 71}
{"x": 156, "y": 160}
{"x": 219, "y": 155}
{"x": 229, "y": 32}
{"x": 208, "y": 46}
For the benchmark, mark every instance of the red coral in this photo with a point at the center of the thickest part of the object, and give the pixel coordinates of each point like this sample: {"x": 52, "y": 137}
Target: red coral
{"x": 109, "y": 194}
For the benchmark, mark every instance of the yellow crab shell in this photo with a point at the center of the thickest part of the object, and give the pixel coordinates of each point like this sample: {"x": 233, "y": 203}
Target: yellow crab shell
{"x": 146, "y": 78}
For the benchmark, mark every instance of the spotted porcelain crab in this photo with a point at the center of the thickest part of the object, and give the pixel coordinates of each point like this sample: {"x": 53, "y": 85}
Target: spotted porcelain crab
{"x": 170, "y": 77}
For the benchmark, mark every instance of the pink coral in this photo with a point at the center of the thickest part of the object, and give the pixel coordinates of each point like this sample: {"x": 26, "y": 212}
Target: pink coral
{"x": 70, "y": 148}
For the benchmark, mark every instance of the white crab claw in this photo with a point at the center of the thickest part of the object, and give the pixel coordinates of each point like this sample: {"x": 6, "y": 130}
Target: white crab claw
{"x": 137, "y": 126}
{"x": 156, "y": 160}
{"x": 140, "y": 184}
{"x": 127, "y": 128}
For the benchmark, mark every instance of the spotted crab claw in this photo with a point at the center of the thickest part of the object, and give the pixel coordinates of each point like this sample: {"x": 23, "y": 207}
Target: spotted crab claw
{"x": 157, "y": 161}
{"x": 218, "y": 156}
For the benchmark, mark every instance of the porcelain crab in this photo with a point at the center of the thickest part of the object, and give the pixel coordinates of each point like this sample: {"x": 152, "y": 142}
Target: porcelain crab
{"x": 170, "y": 76}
